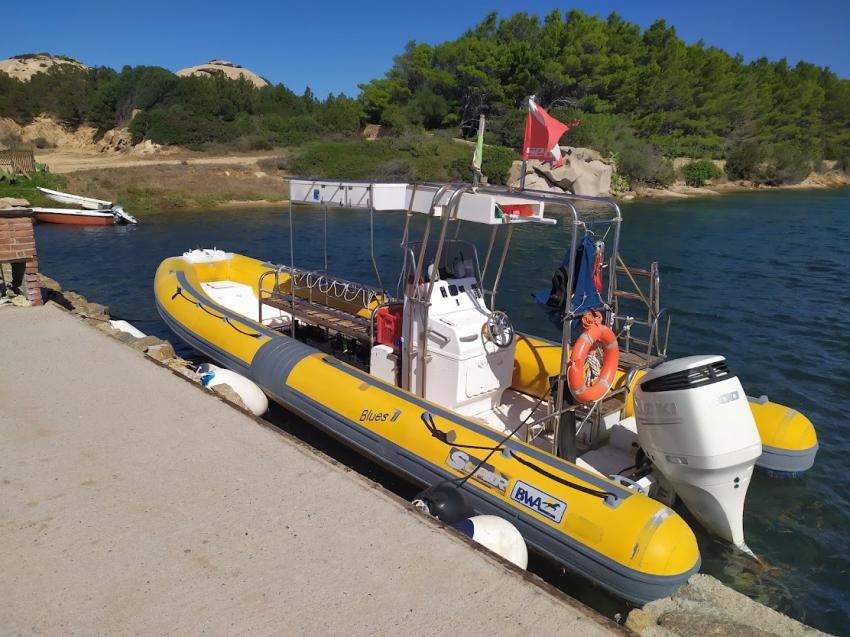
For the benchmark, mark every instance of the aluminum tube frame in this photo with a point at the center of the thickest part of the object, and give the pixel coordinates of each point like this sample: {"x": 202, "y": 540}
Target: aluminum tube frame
{"x": 448, "y": 214}
{"x": 325, "y": 236}
{"x": 505, "y": 250}
{"x": 292, "y": 266}
{"x": 422, "y": 348}
{"x": 426, "y": 235}
{"x": 372, "y": 240}
{"x": 566, "y": 337}
{"x": 489, "y": 252}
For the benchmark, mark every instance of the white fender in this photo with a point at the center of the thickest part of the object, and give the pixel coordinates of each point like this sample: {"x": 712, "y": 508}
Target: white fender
{"x": 498, "y": 535}
{"x": 253, "y": 397}
{"x": 124, "y": 326}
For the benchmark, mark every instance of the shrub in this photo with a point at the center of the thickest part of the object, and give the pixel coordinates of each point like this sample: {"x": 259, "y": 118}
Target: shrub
{"x": 645, "y": 164}
{"x": 743, "y": 162}
{"x": 460, "y": 169}
{"x": 697, "y": 173}
{"x": 432, "y": 158}
{"x": 791, "y": 163}
{"x": 253, "y": 142}
{"x": 274, "y": 163}
{"x": 637, "y": 159}
{"x": 495, "y": 165}
{"x": 497, "y": 162}
{"x": 396, "y": 170}
{"x": 177, "y": 125}
{"x": 619, "y": 184}
{"x": 293, "y": 131}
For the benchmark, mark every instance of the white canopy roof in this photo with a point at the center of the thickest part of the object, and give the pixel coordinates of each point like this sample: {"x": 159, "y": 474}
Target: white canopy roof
{"x": 483, "y": 206}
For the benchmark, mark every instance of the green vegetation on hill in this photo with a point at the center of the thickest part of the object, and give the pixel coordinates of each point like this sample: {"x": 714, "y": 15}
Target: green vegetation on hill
{"x": 27, "y": 187}
{"x": 643, "y": 97}
{"x": 407, "y": 157}
{"x": 187, "y": 111}
{"x": 636, "y": 93}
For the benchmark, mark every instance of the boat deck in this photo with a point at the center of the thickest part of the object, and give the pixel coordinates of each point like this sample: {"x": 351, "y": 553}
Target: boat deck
{"x": 632, "y": 359}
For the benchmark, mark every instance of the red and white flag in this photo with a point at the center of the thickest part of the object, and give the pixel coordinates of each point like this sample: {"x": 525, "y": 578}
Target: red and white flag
{"x": 542, "y": 132}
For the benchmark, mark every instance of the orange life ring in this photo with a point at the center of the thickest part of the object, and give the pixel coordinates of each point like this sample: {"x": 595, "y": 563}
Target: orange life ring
{"x": 594, "y": 333}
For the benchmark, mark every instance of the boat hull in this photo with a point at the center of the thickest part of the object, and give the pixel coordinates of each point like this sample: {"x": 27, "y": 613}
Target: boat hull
{"x": 75, "y": 218}
{"x": 630, "y": 545}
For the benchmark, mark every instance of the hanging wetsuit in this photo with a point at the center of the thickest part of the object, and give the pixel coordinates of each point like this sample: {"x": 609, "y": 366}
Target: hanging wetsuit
{"x": 585, "y": 293}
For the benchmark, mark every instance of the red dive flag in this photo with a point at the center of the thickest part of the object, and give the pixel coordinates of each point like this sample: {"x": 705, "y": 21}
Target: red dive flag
{"x": 542, "y": 132}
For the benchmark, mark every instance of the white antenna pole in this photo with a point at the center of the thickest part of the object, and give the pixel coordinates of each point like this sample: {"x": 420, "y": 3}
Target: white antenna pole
{"x": 479, "y": 152}
{"x": 524, "y": 161}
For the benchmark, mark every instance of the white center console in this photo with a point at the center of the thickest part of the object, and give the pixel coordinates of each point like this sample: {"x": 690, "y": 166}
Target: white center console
{"x": 464, "y": 370}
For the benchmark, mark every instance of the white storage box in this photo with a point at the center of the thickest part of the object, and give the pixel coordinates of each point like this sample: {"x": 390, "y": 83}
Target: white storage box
{"x": 348, "y": 194}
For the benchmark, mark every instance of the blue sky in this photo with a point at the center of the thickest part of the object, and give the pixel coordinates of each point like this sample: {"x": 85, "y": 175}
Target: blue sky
{"x": 334, "y": 45}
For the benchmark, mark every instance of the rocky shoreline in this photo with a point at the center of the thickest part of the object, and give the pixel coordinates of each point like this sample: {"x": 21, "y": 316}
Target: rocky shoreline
{"x": 586, "y": 172}
{"x": 815, "y": 181}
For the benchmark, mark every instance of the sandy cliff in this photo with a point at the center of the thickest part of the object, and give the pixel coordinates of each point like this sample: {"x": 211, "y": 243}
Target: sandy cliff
{"x": 23, "y": 67}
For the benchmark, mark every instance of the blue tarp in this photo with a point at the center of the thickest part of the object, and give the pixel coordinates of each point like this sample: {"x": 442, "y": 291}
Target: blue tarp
{"x": 584, "y": 297}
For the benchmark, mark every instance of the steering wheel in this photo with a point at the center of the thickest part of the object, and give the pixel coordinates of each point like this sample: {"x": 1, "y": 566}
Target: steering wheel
{"x": 498, "y": 329}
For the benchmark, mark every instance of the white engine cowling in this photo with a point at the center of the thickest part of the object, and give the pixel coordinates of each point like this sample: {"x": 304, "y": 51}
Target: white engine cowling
{"x": 695, "y": 424}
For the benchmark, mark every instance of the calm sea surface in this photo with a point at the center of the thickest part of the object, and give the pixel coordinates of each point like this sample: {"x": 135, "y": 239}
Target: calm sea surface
{"x": 760, "y": 278}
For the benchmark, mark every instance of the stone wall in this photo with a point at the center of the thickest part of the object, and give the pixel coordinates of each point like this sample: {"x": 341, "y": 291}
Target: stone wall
{"x": 17, "y": 246}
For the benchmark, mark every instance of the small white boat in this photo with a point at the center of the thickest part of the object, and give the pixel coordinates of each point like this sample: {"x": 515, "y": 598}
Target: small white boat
{"x": 86, "y": 204}
{"x": 75, "y": 200}
{"x": 70, "y": 216}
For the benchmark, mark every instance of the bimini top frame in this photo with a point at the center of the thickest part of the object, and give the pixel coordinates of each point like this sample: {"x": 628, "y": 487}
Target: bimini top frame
{"x": 485, "y": 205}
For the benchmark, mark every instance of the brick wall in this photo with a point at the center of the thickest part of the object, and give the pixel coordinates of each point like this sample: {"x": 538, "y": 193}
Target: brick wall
{"x": 17, "y": 246}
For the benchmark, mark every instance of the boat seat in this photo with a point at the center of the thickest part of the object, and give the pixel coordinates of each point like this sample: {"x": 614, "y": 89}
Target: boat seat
{"x": 331, "y": 318}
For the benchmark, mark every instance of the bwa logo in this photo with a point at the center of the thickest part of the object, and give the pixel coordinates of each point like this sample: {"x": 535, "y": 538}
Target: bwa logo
{"x": 539, "y": 501}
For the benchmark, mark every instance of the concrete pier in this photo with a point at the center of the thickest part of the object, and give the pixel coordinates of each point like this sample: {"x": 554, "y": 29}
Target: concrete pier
{"x": 135, "y": 502}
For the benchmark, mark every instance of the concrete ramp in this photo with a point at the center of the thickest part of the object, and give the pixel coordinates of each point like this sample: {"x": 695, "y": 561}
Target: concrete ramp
{"x": 134, "y": 502}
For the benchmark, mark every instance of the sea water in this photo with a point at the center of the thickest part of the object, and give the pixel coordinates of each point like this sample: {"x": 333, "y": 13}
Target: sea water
{"x": 761, "y": 278}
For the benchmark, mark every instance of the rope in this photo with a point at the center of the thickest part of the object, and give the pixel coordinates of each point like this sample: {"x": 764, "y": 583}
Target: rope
{"x": 200, "y": 305}
{"x": 428, "y": 419}
{"x": 632, "y": 279}
{"x": 578, "y": 487}
{"x": 594, "y": 366}
{"x": 344, "y": 290}
{"x": 443, "y": 436}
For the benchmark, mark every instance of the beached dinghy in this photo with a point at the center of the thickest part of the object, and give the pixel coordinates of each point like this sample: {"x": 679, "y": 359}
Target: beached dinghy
{"x": 91, "y": 213}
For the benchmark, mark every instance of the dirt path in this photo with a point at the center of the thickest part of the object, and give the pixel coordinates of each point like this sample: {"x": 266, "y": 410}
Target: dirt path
{"x": 68, "y": 161}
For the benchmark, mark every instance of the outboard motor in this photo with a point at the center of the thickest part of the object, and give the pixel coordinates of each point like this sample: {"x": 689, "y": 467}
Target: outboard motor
{"x": 695, "y": 424}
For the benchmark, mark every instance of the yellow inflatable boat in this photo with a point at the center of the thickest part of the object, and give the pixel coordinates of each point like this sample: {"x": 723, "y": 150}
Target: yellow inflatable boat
{"x": 630, "y": 544}
{"x": 434, "y": 383}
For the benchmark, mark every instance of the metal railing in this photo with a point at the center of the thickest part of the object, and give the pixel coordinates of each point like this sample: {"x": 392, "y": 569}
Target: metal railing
{"x": 319, "y": 284}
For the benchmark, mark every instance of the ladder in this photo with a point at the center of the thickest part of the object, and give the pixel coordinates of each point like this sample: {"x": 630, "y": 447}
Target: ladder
{"x": 645, "y": 333}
